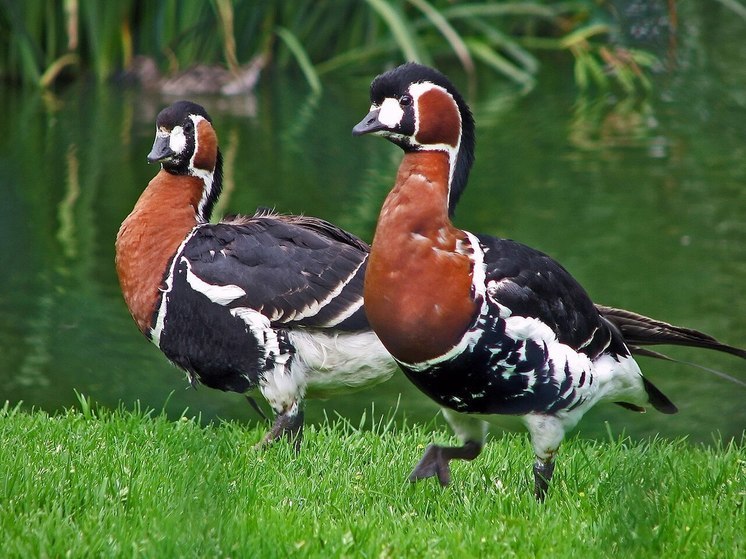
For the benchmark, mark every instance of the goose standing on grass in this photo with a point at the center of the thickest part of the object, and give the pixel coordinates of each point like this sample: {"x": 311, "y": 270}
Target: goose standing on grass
{"x": 482, "y": 325}
{"x": 269, "y": 301}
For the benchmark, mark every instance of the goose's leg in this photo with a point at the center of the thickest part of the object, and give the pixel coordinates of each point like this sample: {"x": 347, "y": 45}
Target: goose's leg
{"x": 436, "y": 460}
{"x": 547, "y": 432}
{"x": 288, "y": 423}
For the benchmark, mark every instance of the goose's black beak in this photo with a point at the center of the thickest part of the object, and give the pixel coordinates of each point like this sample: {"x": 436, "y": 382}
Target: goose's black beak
{"x": 369, "y": 124}
{"x": 161, "y": 150}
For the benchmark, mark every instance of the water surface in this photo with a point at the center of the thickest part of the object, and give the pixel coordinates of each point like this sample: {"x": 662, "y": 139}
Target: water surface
{"x": 643, "y": 200}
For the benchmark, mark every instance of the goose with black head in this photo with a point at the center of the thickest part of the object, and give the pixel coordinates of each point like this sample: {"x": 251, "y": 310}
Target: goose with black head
{"x": 269, "y": 302}
{"x": 485, "y": 326}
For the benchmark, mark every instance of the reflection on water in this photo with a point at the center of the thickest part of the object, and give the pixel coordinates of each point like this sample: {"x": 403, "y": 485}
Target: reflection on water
{"x": 643, "y": 200}
{"x": 605, "y": 125}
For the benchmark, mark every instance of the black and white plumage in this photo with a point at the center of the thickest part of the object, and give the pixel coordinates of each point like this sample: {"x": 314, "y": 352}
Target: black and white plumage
{"x": 267, "y": 301}
{"x": 529, "y": 350}
{"x": 486, "y": 326}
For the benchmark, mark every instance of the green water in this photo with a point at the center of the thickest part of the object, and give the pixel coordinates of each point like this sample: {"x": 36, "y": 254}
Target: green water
{"x": 643, "y": 201}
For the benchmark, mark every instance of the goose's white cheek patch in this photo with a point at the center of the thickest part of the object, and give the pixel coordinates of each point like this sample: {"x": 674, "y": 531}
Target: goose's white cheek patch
{"x": 177, "y": 141}
{"x": 390, "y": 113}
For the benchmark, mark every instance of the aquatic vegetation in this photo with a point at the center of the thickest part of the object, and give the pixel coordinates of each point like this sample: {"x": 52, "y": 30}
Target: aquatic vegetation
{"x": 47, "y": 42}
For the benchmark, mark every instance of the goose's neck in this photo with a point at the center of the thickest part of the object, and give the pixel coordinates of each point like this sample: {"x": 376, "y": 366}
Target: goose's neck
{"x": 165, "y": 213}
{"x": 418, "y": 281}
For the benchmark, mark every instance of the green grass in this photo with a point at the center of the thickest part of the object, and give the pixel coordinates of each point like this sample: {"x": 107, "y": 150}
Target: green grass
{"x": 134, "y": 484}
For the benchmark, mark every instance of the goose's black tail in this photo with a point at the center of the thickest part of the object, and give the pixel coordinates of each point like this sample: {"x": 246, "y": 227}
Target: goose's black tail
{"x": 639, "y": 330}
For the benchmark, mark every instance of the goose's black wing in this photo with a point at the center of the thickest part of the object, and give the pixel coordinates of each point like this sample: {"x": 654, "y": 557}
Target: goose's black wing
{"x": 531, "y": 284}
{"x": 295, "y": 270}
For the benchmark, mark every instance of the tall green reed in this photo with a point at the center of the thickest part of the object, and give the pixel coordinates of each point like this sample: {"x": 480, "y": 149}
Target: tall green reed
{"x": 47, "y": 41}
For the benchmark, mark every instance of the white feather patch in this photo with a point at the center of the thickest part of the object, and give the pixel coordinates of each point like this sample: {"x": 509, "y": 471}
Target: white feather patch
{"x": 280, "y": 386}
{"x": 314, "y": 308}
{"x": 177, "y": 139}
{"x": 220, "y": 294}
{"x": 340, "y": 362}
{"x": 345, "y": 314}
{"x": 390, "y": 112}
{"x": 259, "y": 326}
{"x": 160, "y": 321}
{"x": 205, "y": 174}
{"x": 547, "y": 432}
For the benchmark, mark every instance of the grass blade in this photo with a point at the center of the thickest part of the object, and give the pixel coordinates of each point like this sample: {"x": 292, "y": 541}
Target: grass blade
{"x": 225, "y": 17}
{"x": 399, "y": 29}
{"x": 50, "y": 74}
{"x": 580, "y": 36}
{"x": 734, "y": 6}
{"x": 449, "y": 33}
{"x": 506, "y": 44}
{"x": 498, "y": 62}
{"x": 509, "y": 9}
{"x": 301, "y": 57}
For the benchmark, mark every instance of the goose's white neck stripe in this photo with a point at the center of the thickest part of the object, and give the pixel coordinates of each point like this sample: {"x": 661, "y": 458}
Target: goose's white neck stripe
{"x": 205, "y": 175}
{"x": 160, "y": 322}
{"x": 417, "y": 90}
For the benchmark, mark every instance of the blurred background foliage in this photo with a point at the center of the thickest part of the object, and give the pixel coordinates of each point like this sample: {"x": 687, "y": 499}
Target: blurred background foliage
{"x": 49, "y": 42}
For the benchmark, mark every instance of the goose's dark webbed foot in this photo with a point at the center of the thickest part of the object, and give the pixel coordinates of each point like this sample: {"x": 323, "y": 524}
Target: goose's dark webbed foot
{"x": 435, "y": 461}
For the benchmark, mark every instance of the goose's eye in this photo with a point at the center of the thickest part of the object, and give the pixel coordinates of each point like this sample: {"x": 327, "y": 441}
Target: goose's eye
{"x": 405, "y": 100}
